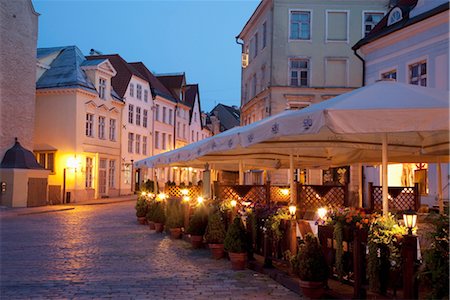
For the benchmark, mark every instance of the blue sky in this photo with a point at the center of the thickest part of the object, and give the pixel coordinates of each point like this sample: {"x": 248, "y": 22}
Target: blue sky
{"x": 195, "y": 37}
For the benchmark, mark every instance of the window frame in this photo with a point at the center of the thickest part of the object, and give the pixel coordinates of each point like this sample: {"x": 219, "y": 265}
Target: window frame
{"x": 89, "y": 125}
{"x": 130, "y": 142}
{"x": 347, "y": 12}
{"x": 45, "y": 164}
{"x": 138, "y": 91}
{"x": 102, "y": 88}
{"x": 308, "y": 60}
{"x": 112, "y": 129}
{"x": 138, "y": 116}
{"x": 144, "y": 145}
{"x": 145, "y": 118}
{"x": 363, "y": 23}
{"x": 130, "y": 113}
{"x": 89, "y": 168}
{"x": 131, "y": 90}
{"x": 137, "y": 144}
{"x": 101, "y": 127}
{"x": 418, "y": 61}
{"x": 290, "y": 39}
{"x": 112, "y": 174}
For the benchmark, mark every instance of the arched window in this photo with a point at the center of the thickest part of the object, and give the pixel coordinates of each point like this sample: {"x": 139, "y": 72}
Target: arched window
{"x": 394, "y": 16}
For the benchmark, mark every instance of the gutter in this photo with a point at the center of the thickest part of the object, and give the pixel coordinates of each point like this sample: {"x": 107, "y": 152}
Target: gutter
{"x": 241, "y": 42}
{"x": 355, "y": 51}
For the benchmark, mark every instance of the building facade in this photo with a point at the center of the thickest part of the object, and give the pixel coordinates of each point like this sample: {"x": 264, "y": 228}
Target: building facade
{"x": 411, "y": 45}
{"x": 77, "y": 125}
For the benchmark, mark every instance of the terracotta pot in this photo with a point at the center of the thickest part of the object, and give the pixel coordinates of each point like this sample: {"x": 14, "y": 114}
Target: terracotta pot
{"x": 312, "y": 289}
{"x": 159, "y": 227}
{"x": 217, "y": 251}
{"x": 151, "y": 225}
{"x": 141, "y": 220}
{"x": 238, "y": 260}
{"x": 175, "y": 233}
{"x": 197, "y": 241}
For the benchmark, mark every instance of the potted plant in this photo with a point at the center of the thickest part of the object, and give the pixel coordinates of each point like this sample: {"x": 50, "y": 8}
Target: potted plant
{"x": 236, "y": 245}
{"x": 312, "y": 267}
{"x": 159, "y": 217}
{"x": 141, "y": 210}
{"x": 197, "y": 227}
{"x": 175, "y": 220}
{"x": 215, "y": 235}
{"x": 150, "y": 215}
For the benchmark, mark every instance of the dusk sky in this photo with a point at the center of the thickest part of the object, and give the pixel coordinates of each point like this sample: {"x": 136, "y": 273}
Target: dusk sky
{"x": 195, "y": 37}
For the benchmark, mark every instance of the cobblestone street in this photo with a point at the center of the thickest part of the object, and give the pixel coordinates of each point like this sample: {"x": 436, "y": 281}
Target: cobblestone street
{"x": 99, "y": 251}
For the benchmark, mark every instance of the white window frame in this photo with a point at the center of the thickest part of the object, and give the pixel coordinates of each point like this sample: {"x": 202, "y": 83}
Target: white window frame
{"x": 144, "y": 145}
{"x": 112, "y": 130}
{"x": 164, "y": 141}
{"x": 310, "y": 25}
{"x": 88, "y": 172}
{"x": 414, "y": 62}
{"x": 157, "y": 139}
{"x": 138, "y": 91}
{"x": 145, "y": 95}
{"x": 308, "y": 59}
{"x": 145, "y": 118}
{"x": 137, "y": 147}
{"x": 164, "y": 112}
{"x": 326, "y": 25}
{"x": 101, "y": 127}
{"x": 130, "y": 113}
{"x": 363, "y": 24}
{"x": 130, "y": 142}
{"x": 157, "y": 117}
{"x": 102, "y": 88}
{"x": 112, "y": 173}
{"x": 347, "y": 68}
{"x": 89, "y": 125}
{"x": 138, "y": 116}
{"x": 131, "y": 90}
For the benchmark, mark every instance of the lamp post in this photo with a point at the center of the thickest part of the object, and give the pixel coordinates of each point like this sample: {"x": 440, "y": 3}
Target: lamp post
{"x": 409, "y": 254}
{"x": 321, "y": 212}
{"x": 72, "y": 163}
{"x": 410, "y": 219}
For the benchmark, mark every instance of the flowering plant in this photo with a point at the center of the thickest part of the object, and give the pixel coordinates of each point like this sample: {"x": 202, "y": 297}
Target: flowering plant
{"x": 351, "y": 216}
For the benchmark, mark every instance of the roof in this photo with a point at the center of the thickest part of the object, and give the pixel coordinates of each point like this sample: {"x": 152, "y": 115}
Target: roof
{"x": 156, "y": 86}
{"x": 17, "y": 157}
{"x": 228, "y": 116}
{"x": 124, "y": 72}
{"x": 172, "y": 82}
{"x": 407, "y": 7}
{"x": 191, "y": 93}
{"x": 64, "y": 70}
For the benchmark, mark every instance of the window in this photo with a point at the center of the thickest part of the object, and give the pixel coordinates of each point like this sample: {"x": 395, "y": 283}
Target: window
{"x": 131, "y": 90}
{"x": 164, "y": 114}
{"x": 112, "y": 174}
{"x": 184, "y": 131}
{"x": 102, "y": 88}
{"x": 337, "y": 26}
{"x": 170, "y": 116}
{"x": 46, "y": 160}
{"x": 394, "y": 16}
{"x": 300, "y": 25}
{"x": 264, "y": 37}
{"x": 254, "y": 85}
{"x": 371, "y": 19}
{"x": 145, "y": 118}
{"x": 139, "y": 91}
{"x": 336, "y": 72}
{"x": 178, "y": 129}
{"x": 88, "y": 178}
{"x": 138, "y": 115}
{"x": 163, "y": 139}
{"x": 245, "y": 92}
{"x": 130, "y": 113}
{"x": 112, "y": 129}
{"x": 157, "y": 112}
{"x": 90, "y": 125}
{"x": 169, "y": 141}
{"x": 157, "y": 139}
{"x": 144, "y": 145}
{"x": 145, "y": 95}
{"x": 263, "y": 77}
{"x": 255, "y": 45}
{"x": 138, "y": 144}
{"x": 197, "y": 136}
{"x": 101, "y": 128}
{"x": 418, "y": 73}
{"x": 130, "y": 142}
{"x": 389, "y": 75}
{"x": 299, "y": 72}
{"x": 192, "y": 135}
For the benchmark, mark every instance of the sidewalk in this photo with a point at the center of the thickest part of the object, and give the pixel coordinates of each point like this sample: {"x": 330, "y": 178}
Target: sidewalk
{"x": 22, "y": 211}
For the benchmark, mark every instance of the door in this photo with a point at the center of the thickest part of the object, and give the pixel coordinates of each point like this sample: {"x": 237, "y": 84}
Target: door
{"x": 37, "y": 192}
{"x": 102, "y": 177}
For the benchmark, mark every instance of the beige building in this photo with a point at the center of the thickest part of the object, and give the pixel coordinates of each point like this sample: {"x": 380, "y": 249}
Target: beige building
{"x": 295, "y": 53}
{"x": 77, "y": 125}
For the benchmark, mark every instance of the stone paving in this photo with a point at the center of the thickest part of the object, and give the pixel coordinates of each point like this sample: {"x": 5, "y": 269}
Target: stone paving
{"x": 99, "y": 251}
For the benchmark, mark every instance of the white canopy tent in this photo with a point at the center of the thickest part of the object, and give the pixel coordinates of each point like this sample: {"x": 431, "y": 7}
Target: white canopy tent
{"x": 362, "y": 126}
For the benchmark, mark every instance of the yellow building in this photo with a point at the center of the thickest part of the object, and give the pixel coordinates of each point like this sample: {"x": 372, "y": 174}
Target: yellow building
{"x": 77, "y": 125}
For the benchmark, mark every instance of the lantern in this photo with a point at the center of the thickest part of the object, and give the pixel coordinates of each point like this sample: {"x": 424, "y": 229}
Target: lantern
{"x": 410, "y": 219}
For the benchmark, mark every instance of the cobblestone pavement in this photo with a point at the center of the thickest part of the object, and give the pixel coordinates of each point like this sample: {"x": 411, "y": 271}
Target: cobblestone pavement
{"x": 99, "y": 251}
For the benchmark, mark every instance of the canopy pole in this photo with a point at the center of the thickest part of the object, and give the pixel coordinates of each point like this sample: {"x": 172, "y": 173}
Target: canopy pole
{"x": 360, "y": 185}
{"x": 440, "y": 198}
{"x": 291, "y": 178}
{"x": 384, "y": 160}
{"x": 241, "y": 172}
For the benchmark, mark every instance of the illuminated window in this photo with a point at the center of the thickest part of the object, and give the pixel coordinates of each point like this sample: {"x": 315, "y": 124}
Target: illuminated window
{"x": 88, "y": 178}
{"x": 46, "y": 160}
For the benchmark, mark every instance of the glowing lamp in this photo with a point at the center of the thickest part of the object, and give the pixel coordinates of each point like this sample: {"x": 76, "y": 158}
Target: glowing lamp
{"x": 73, "y": 162}
{"x": 233, "y": 203}
{"x": 322, "y": 212}
{"x": 410, "y": 219}
{"x": 200, "y": 200}
{"x": 143, "y": 193}
{"x": 186, "y": 198}
{"x": 285, "y": 192}
{"x": 184, "y": 192}
{"x": 161, "y": 196}
{"x": 292, "y": 210}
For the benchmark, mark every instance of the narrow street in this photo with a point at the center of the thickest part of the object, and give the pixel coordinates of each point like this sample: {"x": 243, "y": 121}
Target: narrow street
{"x": 99, "y": 251}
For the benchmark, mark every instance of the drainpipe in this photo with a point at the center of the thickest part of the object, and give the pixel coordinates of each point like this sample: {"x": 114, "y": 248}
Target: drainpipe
{"x": 363, "y": 66}
{"x": 241, "y": 42}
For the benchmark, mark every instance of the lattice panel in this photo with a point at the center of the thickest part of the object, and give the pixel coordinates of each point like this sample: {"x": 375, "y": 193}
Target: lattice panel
{"x": 278, "y": 194}
{"x": 252, "y": 193}
{"x": 175, "y": 191}
{"x": 312, "y": 197}
{"x": 399, "y": 198}
{"x": 172, "y": 191}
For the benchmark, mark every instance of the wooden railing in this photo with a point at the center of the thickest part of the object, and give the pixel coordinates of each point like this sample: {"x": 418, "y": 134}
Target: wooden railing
{"x": 400, "y": 198}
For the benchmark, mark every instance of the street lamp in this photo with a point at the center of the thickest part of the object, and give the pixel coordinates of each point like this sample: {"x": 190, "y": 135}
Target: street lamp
{"x": 292, "y": 210}
{"x": 72, "y": 163}
{"x": 200, "y": 200}
{"x": 233, "y": 203}
{"x": 410, "y": 219}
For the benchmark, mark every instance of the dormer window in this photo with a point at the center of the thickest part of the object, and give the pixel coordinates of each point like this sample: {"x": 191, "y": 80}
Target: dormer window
{"x": 139, "y": 91}
{"x": 102, "y": 88}
{"x": 145, "y": 95}
{"x": 131, "y": 90}
{"x": 394, "y": 16}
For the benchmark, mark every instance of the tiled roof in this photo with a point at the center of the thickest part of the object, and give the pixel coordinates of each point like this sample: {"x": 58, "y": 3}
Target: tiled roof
{"x": 64, "y": 70}
{"x": 382, "y": 29}
{"x": 17, "y": 157}
{"x": 228, "y": 116}
{"x": 124, "y": 72}
{"x": 92, "y": 62}
{"x": 191, "y": 93}
{"x": 157, "y": 87}
{"x": 172, "y": 82}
